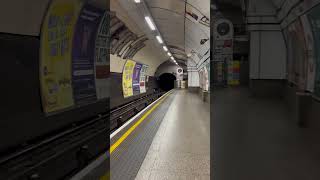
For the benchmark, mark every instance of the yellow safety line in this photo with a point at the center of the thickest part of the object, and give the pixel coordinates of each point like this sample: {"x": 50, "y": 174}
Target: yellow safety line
{"x": 106, "y": 176}
{"x": 126, "y": 134}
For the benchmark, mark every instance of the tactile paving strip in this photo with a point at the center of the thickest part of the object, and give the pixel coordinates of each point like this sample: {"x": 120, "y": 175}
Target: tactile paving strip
{"x": 128, "y": 157}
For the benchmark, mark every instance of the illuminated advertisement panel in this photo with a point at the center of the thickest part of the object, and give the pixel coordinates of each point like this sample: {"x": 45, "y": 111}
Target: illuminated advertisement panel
{"x": 83, "y": 55}
{"x": 143, "y": 78}
{"x": 55, "y": 55}
{"x": 127, "y": 74}
{"x": 136, "y": 79}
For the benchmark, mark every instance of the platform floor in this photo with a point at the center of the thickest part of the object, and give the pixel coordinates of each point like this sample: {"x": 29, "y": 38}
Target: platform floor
{"x": 181, "y": 146}
{"x": 171, "y": 141}
{"x": 255, "y": 138}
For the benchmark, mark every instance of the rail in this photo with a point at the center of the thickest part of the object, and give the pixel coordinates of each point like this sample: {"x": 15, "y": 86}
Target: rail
{"x": 79, "y": 140}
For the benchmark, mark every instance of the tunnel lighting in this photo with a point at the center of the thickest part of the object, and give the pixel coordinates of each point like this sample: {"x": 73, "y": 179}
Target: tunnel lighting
{"x": 165, "y": 48}
{"x": 137, "y": 1}
{"x": 169, "y": 54}
{"x": 159, "y": 39}
{"x": 172, "y": 58}
{"x": 149, "y": 22}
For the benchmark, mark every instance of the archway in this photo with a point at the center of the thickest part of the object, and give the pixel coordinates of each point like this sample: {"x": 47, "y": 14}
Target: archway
{"x": 167, "y": 81}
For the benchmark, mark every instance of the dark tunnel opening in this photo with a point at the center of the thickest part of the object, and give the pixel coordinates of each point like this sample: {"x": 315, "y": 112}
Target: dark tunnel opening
{"x": 166, "y": 81}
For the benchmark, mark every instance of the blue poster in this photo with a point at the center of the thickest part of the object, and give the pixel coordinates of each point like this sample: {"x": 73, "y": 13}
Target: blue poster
{"x": 136, "y": 79}
{"x": 83, "y": 55}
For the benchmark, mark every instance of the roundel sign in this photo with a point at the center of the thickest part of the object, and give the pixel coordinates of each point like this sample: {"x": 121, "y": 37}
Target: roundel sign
{"x": 223, "y": 29}
{"x": 179, "y": 71}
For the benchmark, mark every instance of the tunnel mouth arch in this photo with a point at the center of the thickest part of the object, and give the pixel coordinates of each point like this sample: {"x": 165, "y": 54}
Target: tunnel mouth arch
{"x": 166, "y": 81}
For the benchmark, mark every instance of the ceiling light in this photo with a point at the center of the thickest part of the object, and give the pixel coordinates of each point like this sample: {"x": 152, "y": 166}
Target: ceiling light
{"x": 165, "y": 48}
{"x": 137, "y": 1}
{"x": 172, "y": 58}
{"x": 159, "y": 39}
{"x": 149, "y": 22}
{"x": 189, "y": 55}
{"x": 169, "y": 54}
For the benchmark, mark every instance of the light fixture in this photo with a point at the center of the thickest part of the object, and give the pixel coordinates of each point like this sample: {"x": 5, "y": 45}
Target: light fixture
{"x": 169, "y": 54}
{"x": 159, "y": 39}
{"x": 172, "y": 58}
{"x": 189, "y": 55}
{"x": 137, "y": 1}
{"x": 149, "y": 22}
{"x": 165, "y": 48}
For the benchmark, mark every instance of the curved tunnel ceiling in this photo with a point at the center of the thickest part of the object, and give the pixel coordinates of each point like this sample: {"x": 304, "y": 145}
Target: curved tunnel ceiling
{"x": 169, "y": 16}
{"x": 28, "y": 15}
{"x": 124, "y": 43}
{"x": 183, "y": 24}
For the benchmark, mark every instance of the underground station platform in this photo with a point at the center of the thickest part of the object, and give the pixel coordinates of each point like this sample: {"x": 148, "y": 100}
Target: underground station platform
{"x": 167, "y": 140}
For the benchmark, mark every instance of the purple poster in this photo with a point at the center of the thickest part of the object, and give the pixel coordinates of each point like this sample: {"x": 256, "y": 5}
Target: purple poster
{"x": 136, "y": 79}
{"x": 83, "y": 53}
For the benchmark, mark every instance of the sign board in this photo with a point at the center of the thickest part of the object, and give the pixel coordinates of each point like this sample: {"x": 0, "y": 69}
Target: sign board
{"x": 55, "y": 55}
{"x": 83, "y": 55}
{"x": 143, "y": 78}
{"x": 222, "y": 50}
{"x": 127, "y": 74}
{"x": 134, "y": 78}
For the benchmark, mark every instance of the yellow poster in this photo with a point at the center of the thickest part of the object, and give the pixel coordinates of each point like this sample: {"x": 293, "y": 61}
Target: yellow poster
{"x": 55, "y": 55}
{"x": 127, "y": 78}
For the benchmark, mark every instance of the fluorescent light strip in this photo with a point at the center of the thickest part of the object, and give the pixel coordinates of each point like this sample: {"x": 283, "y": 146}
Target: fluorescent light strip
{"x": 137, "y": 1}
{"x": 149, "y": 22}
{"x": 165, "y": 48}
{"x": 159, "y": 39}
{"x": 169, "y": 54}
{"x": 172, "y": 58}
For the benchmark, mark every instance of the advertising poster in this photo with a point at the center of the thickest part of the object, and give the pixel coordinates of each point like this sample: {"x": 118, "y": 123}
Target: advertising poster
{"x": 83, "y": 55}
{"x": 136, "y": 79}
{"x": 102, "y": 60}
{"x": 127, "y": 78}
{"x": 143, "y": 78}
{"x": 55, "y": 55}
{"x": 314, "y": 17}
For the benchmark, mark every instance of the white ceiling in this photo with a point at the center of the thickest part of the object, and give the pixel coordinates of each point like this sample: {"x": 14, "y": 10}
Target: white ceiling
{"x": 169, "y": 18}
{"x": 180, "y": 32}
